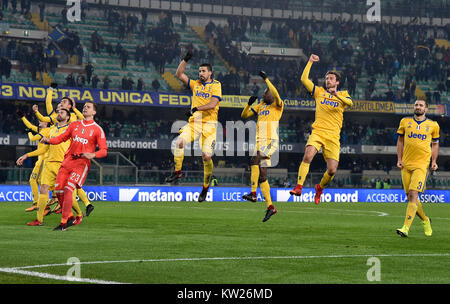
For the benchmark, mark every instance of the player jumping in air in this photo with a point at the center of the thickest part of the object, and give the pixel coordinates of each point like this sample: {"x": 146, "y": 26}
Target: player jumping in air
{"x": 86, "y": 135}
{"x": 418, "y": 141}
{"x": 326, "y": 129}
{"x": 206, "y": 95}
{"x": 269, "y": 112}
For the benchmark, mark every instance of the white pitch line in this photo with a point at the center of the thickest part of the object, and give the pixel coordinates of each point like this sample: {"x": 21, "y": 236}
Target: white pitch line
{"x": 240, "y": 258}
{"x": 44, "y": 275}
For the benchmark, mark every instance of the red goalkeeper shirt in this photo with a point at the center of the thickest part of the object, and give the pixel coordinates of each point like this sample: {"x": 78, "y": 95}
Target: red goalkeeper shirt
{"x": 85, "y": 135}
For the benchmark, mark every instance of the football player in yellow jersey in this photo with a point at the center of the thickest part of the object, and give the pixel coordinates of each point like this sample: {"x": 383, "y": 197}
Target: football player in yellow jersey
{"x": 52, "y": 163}
{"x": 42, "y": 131}
{"x": 65, "y": 102}
{"x": 326, "y": 129}
{"x": 269, "y": 113}
{"x": 207, "y": 93}
{"x": 418, "y": 141}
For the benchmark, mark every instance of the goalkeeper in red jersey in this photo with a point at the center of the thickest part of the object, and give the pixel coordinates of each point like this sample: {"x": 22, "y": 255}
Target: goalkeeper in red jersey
{"x": 85, "y": 135}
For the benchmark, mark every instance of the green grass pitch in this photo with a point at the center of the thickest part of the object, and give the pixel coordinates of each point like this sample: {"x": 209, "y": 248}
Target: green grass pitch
{"x": 214, "y": 242}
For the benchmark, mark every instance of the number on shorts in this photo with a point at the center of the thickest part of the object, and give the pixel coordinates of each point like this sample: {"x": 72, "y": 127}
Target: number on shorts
{"x": 420, "y": 186}
{"x": 75, "y": 177}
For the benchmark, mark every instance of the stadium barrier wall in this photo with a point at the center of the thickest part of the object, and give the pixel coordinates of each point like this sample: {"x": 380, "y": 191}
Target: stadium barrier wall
{"x": 9, "y": 193}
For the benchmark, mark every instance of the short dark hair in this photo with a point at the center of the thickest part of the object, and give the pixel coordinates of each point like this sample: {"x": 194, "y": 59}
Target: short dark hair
{"x": 93, "y": 103}
{"x": 69, "y": 99}
{"x": 207, "y": 65}
{"x": 426, "y": 103}
{"x": 338, "y": 76}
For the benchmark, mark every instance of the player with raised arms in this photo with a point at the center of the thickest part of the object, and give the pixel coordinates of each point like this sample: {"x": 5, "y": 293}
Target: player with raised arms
{"x": 206, "y": 95}
{"x": 326, "y": 129}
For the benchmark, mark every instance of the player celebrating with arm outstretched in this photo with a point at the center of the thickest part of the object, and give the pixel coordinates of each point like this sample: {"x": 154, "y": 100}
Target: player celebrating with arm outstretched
{"x": 86, "y": 135}
{"x": 326, "y": 129}
{"x": 207, "y": 93}
{"x": 269, "y": 112}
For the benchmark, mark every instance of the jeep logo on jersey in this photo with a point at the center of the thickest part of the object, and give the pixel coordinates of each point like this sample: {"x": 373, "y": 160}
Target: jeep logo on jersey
{"x": 82, "y": 140}
{"x": 419, "y": 136}
{"x": 264, "y": 113}
{"x": 334, "y": 104}
{"x": 201, "y": 94}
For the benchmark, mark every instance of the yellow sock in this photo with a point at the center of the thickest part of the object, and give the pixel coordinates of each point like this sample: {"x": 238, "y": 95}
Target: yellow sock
{"x": 83, "y": 196}
{"x": 254, "y": 177}
{"x": 75, "y": 205}
{"x": 34, "y": 190}
{"x": 208, "y": 167}
{"x": 265, "y": 189}
{"x": 42, "y": 203}
{"x": 410, "y": 213}
{"x": 420, "y": 212}
{"x": 326, "y": 179}
{"x": 302, "y": 172}
{"x": 178, "y": 156}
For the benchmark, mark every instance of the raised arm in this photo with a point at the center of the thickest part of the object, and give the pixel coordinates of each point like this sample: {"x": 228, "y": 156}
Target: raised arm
{"x": 180, "y": 70}
{"x": 248, "y": 110}
{"x": 26, "y": 122}
{"x": 272, "y": 89}
{"x": 49, "y": 100}
{"x": 305, "y": 75}
{"x": 77, "y": 112}
{"x": 40, "y": 116}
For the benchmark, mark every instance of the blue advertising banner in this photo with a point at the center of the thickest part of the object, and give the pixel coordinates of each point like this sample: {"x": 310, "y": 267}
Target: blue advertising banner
{"x": 13, "y": 193}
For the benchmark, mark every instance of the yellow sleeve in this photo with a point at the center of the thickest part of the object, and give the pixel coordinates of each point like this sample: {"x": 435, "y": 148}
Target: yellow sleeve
{"x": 29, "y": 125}
{"x": 345, "y": 98}
{"x": 43, "y": 118}
{"x": 247, "y": 112}
{"x": 305, "y": 79}
{"x": 435, "y": 134}
{"x": 191, "y": 84}
{"x": 78, "y": 113}
{"x": 32, "y": 137}
{"x": 39, "y": 151}
{"x": 73, "y": 117}
{"x": 401, "y": 128}
{"x": 48, "y": 101}
{"x": 274, "y": 92}
{"x": 216, "y": 90}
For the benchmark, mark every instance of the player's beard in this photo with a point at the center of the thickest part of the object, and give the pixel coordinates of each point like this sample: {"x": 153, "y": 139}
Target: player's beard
{"x": 202, "y": 79}
{"x": 419, "y": 112}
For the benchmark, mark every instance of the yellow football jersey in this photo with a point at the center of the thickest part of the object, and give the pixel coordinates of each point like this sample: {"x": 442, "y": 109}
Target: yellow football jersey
{"x": 45, "y": 132}
{"x": 55, "y": 153}
{"x": 329, "y": 110}
{"x": 418, "y": 136}
{"x": 201, "y": 95}
{"x": 268, "y": 119}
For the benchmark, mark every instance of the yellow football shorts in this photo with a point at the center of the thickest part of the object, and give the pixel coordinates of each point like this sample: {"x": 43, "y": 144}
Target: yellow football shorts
{"x": 414, "y": 179}
{"x": 266, "y": 148}
{"x": 37, "y": 170}
{"x": 331, "y": 147}
{"x": 49, "y": 173}
{"x": 203, "y": 131}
